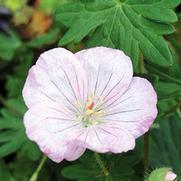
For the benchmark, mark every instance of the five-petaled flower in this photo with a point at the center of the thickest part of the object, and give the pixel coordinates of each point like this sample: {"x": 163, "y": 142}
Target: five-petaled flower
{"x": 86, "y": 100}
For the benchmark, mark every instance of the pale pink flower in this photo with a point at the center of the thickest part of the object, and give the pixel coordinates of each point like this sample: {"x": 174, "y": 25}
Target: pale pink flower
{"x": 170, "y": 176}
{"x": 86, "y": 100}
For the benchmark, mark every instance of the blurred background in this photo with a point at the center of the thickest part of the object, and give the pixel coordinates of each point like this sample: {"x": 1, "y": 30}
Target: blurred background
{"x": 28, "y": 28}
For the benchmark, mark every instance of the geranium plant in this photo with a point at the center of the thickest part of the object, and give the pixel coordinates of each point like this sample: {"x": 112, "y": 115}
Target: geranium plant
{"x": 90, "y": 90}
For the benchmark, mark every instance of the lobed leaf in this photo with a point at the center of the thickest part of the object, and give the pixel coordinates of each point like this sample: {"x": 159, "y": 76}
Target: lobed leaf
{"x": 165, "y": 149}
{"x": 12, "y": 132}
{"x": 134, "y": 26}
{"x": 87, "y": 168}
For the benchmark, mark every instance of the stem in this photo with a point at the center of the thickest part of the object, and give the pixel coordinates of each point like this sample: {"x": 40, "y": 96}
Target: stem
{"x": 147, "y": 135}
{"x": 34, "y": 177}
{"x": 101, "y": 164}
{"x": 141, "y": 65}
{"x": 146, "y": 151}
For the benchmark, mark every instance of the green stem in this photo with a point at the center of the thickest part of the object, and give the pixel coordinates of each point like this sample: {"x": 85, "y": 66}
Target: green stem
{"x": 34, "y": 177}
{"x": 141, "y": 65}
{"x": 146, "y": 151}
{"x": 147, "y": 135}
{"x": 101, "y": 164}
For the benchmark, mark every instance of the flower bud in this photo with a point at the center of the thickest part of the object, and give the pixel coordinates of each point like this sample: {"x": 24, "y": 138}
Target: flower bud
{"x": 162, "y": 174}
{"x": 170, "y": 176}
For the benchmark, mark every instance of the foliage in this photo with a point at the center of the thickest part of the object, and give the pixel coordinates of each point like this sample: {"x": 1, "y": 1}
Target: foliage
{"x": 158, "y": 174}
{"x": 8, "y": 45}
{"x": 88, "y": 168}
{"x": 13, "y": 4}
{"x": 149, "y": 31}
{"x": 169, "y": 147}
{"x": 134, "y": 26}
{"x": 5, "y": 173}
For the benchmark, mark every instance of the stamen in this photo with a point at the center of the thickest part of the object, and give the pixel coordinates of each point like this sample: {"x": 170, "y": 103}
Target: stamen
{"x": 89, "y": 112}
{"x": 90, "y": 116}
{"x": 90, "y": 104}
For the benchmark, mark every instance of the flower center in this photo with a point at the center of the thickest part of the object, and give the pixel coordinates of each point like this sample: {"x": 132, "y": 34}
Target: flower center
{"x": 90, "y": 115}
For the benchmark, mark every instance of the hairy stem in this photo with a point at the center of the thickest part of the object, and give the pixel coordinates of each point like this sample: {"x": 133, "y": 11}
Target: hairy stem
{"x": 146, "y": 151}
{"x": 102, "y": 166}
{"x": 34, "y": 177}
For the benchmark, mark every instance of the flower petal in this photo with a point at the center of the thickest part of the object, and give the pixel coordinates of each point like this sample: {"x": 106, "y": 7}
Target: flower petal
{"x": 135, "y": 109}
{"x": 57, "y": 76}
{"x": 49, "y": 125}
{"x": 109, "y": 137}
{"x": 109, "y": 71}
{"x": 73, "y": 151}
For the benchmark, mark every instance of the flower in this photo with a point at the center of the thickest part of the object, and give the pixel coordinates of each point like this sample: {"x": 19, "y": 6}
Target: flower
{"x": 170, "y": 176}
{"x": 86, "y": 100}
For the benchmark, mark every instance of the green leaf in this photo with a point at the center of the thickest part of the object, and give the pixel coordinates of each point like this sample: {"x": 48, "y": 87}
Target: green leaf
{"x": 15, "y": 81}
{"x": 134, "y": 26}
{"x": 164, "y": 74}
{"x": 5, "y": 173}
{"x": 43, "y": 40}
{"x": 8, "y": 45}
{"x": 14, "y": 5}
{"x": 168, "y": 90}
{"x": 165, "y": 147}
{"x": 153, "y": 12}
{"x": 22, "y": 168}
{"x": 79, "y": 172}
{"x": 12, "y": 132}
{"x": 87, "y": 168}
